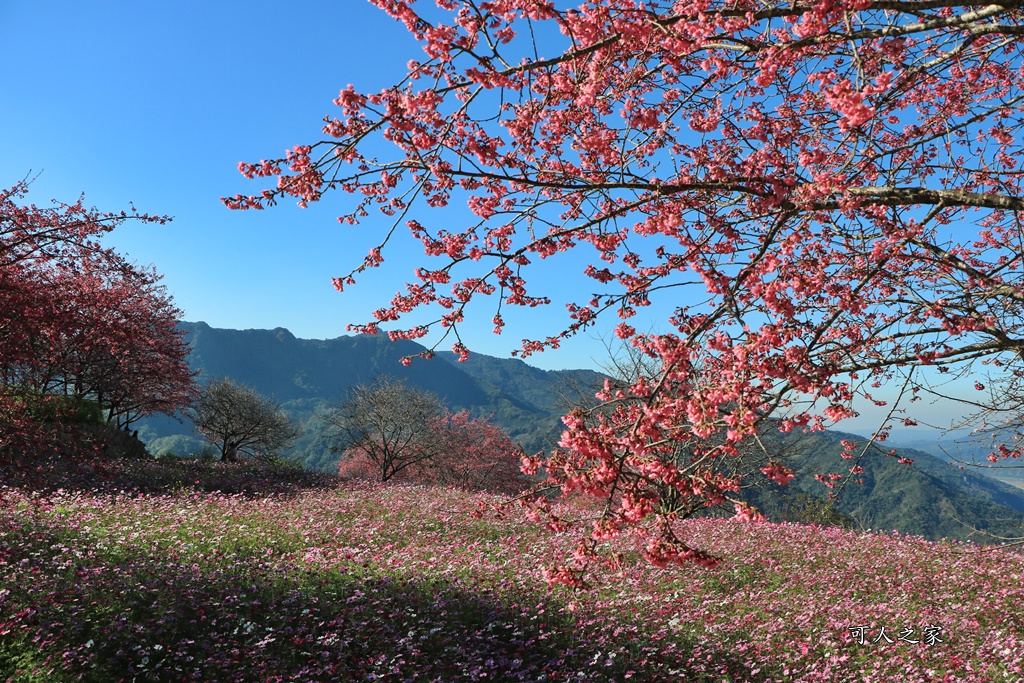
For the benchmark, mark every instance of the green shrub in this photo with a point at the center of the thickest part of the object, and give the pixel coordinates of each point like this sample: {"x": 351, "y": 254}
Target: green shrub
{"x": 64, "y": 409}
{"x": 807, "y": 509}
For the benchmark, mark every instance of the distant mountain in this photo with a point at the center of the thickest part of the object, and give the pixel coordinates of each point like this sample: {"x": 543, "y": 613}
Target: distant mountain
{"x": 963, "y": 448}
{"x": 309, "y": 376}
{"x": 931, "y": 498}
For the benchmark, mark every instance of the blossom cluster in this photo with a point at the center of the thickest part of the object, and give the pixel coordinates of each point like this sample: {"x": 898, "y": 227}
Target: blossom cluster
{"x": 813, "y": 200}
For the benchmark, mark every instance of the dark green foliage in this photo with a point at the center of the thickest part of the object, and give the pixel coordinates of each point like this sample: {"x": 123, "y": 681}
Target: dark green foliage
{"x": 178, "y": 445}
{"x": 788, "y": 503}
{"x": 791, "y": 504}
{"x": 65, "y": 409}
{"x": 806, "y": 509}
{"x": 276, "y": 363}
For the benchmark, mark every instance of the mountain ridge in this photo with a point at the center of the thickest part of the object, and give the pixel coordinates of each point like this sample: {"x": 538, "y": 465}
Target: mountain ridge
{"x": 308, "y": 377}
{"x": 929, "y": 498}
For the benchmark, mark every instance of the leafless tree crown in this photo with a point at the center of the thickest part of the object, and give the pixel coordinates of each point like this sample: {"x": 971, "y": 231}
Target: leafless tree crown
{"x": 387, "y": 421}
{"x": 238, "y": 420}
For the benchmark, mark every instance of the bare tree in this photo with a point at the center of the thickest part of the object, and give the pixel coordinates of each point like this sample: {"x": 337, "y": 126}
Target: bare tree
{"x": 238, "y": 420}
{"x": 386, "y": 424}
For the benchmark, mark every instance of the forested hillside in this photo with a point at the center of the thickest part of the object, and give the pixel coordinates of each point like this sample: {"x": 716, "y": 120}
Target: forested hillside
{"x": 929, "y": 498}
{"x": 309, "y": 376}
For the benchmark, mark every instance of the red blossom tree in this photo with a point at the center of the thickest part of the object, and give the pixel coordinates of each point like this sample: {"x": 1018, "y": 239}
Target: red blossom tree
{"x": 79, "y": 324}
{"x": 110, "y": 337}
{"x": 828, "y": 191}
{"x": 472, "y": 454}
{"x": 477, "y": 456}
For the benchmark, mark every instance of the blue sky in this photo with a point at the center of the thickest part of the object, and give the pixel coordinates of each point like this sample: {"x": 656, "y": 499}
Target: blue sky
{"x": 156, "y": 103}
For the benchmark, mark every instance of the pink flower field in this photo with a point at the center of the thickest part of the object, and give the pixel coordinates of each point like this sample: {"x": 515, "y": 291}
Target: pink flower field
{"x": 324, "y": 581}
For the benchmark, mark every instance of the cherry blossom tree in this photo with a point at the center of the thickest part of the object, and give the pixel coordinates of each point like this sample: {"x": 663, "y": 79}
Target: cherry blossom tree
{"x": 477, "y": 456}
{"x": 826, "y": 191}
{"x": 111, "y": 337}
{"x": 79, "y": 325}
{"x": 59, "y": 233}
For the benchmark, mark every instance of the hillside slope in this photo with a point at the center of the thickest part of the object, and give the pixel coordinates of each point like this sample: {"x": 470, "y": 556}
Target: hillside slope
{"x": 930, "y": 497}
{"x": 209, "y": 576}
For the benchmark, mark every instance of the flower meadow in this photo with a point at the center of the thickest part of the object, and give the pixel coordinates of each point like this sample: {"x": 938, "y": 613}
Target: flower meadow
{"x": 235, "y": 572}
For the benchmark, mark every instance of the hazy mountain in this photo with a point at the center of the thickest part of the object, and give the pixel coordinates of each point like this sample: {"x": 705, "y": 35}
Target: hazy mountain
{"x": 932, "y": 497}
{"x": 966, "y": 450}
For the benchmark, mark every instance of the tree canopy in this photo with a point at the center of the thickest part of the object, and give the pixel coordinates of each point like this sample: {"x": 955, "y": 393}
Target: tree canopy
{"x": 79, "y": 323}
{"x": 828, "y": 192}
{"x": 383, "y": 427}
{"x": 238, "y": 420}
{"x": 389, "y": 431}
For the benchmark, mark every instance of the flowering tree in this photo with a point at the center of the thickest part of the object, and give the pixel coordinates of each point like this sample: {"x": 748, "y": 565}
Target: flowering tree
{"x": 472, "y": 454}
{"x": 477, "y": 456}
{"x": 111, "y": 337}
{"x": 389, "y": 432}
{"x": 79, "y": 324}
{"x": 827, "y": 190}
